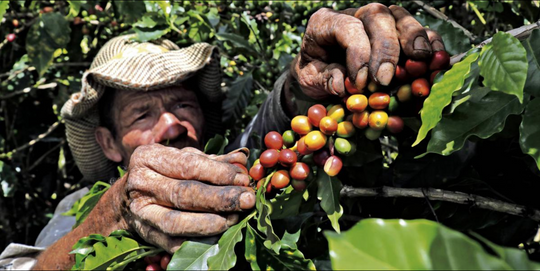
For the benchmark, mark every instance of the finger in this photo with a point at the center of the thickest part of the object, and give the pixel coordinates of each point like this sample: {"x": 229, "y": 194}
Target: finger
{"x": 189, "y": 195}
{"x": 327, "y": 29}
{"x": 239, "y": 155}
{"x": 181, "y": 223}
{"x": 322, "y": 79}
{"x": 158, "y": 238}
{"x": 435, "y": 40}
{"x": 187, "y": 165}
{"x": 381, "y": 29}
{"x": 412, "y": 35}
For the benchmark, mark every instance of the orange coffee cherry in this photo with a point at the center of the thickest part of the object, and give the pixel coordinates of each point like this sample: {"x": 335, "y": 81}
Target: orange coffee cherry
{"x": 301, "y": 125}
{"x": 379, "y": 100}
{"x": 420, "y": 87}
{"x": 315, "y": 140}
{"x": 378, "y": 119}
{"x": 360, "y": 120}
{"x": 357, "y": 103}
{"x": 345, "y": 129}
{"x": 328, "y": 126}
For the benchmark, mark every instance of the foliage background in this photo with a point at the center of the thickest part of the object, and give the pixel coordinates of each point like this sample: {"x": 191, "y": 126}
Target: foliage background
{"x": 43, "y": 66}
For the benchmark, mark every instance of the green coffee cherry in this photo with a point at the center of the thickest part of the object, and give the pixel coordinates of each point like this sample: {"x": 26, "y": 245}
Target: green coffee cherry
{"x": 372, "y": 134}
{"x": 343, "y": 146}
{"x": 393, "y": 106}
{"x": 288, "y": 138}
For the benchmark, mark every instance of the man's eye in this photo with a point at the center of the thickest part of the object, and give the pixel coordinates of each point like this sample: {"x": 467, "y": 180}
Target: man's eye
{"x": 141, "y": 117}
{"x": 182, "y": 105}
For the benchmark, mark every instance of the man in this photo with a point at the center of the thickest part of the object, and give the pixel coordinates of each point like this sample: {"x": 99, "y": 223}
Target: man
{"x": 144, "y": 106}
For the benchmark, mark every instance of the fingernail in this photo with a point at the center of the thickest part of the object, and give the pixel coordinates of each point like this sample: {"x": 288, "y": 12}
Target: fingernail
{"x": 244, "y": 150}
{"x": 241, "y": 179}
{"x": 420, "y": 43}
{"x": 361, "y": 78}
{"x": 232, "y": 219}
{"x": 247, "y": 200}
{"x": 331, "y": 86}
{"x": 385, "y": 73}
{"x": 437, "y": 45}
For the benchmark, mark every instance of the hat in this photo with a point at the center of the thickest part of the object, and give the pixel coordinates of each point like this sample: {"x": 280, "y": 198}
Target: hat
{"x": 123, "y": 63}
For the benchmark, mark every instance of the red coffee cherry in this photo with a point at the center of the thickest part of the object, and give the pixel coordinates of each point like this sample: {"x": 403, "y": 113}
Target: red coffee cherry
{"x": 379, "y": 100}
{"x": 395, "y": 124}
{"x": 273, "y": 140}
{"x": 269, "y": 158}
{"x": 316, "y": 113}
{"x": 333, "y": 165}
{"x": 287, "y": 158}
{"x": 242, "y": 167}
{"x": 351, "y": 88}
{"x": 268, "y": 187}
{"x": 420, "y": 87}
{"x": 280, "y": 179}
{"x": 165, "y": 260}
{"x": 299, "y": 171}
{"x": 153, "y": 267}
{"x": 256, "y": 172}
{"x": 401, "y": 74}
{"x": 10, "y": 37}
{"x": 433, "y": 75}
{"x": 416, "y": 68}
{"x": 439, "y": 61}
{"x": 301, "y": 147}
{"x": 298, "y": 185}
{"x": 320, "y": 157}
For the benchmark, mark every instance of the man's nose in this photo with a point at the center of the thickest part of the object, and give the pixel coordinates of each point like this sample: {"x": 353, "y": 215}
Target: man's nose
{"x": 168, "y": 128}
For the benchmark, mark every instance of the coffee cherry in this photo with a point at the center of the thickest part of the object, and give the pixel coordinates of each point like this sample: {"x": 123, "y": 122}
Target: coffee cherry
{"x": 77, "y": 20}
{"x": 360, "y": 120}
{"x": 373, "y": 86}
{"x": 268, "y": 187}
{"x": 47, "y": 10}
{"x": 395, "y": 124}
{"x": 269, "y": 158}
{"x": 333, "y": 165}
{"x": 439, "y": 61}
{"x": 379, "y": 100}
{"x": 98, "y": 8}
{"x": 357, "y": 103}
{"x": 336, "y": 112}
{"x": 345, "y": 129}
{"x": 351, "y": 88}
{"x": 328, "y": 126}
{"x": 10, "y": 37}
{"x": 404, "y": 93}
{"x": 372, "y": 134}
{"x": 152, "y": 259}
{"x": 15, "y": 22}
{"x": 298, "y": 185}
{"x": 420, "y": 87}
{"x": 315, "y": 114}
{"x": 301, "y": 147}
{"x": 433, "y": 75}
{"x": 401, "y": 74}
{"x": 378, "y": 119}
{"x": 301, "y": 125}
{"x": 114, "y": 23}
{"x": 315, "y": 140}
{"x": 165, "y": 260}
{"x": 343, "y": 146}
{"x": 287, "y": 158}
{"x": 273, "y": 140}
{"x": 393, "y": 105}
{"x": 299, "y": 171}
{"x": 416, "y": 68}
{"x": 280, "y": 179}
{"x": 256, "y": 172}
{"x": 153, "y": 267}
{"x": 288, "y": 138}
{"x": 242, "y": 167}
{"x": 320, "y": 157}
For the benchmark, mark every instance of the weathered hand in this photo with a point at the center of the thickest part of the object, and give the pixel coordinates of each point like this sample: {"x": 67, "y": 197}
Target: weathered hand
{"x": 358, "y": 43}
{"x": 170, "y": 194}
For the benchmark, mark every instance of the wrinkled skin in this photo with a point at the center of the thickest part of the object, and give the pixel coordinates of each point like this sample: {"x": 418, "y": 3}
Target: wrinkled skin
{"x": 173, "y": 193}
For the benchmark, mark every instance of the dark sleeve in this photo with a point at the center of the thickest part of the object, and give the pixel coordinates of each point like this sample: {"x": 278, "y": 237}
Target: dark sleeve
{"x": 271, "y": 117}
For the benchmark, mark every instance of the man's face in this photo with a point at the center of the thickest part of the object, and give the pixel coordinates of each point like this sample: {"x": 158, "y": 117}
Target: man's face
{"x": 170, "y": 116}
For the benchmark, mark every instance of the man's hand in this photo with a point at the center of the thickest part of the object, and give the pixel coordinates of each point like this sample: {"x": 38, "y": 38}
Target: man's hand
{"x": 170, "y": 194}
{"x": 358, "y": 43}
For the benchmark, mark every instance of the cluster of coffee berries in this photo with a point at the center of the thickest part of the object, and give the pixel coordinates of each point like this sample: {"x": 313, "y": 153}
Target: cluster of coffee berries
{"x": 157, "y": 262}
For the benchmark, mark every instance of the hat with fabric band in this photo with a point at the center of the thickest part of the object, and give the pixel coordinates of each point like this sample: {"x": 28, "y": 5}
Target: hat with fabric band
{"x": 125, "y": 64}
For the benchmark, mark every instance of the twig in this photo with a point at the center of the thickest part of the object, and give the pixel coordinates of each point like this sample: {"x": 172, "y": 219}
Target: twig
{"x": 443, "y": 195}
{"x": 437, "y": 14}
{"x": 430, "y": 206}
{"x": 32, "y": 142}
{"x": 520, "y": 33}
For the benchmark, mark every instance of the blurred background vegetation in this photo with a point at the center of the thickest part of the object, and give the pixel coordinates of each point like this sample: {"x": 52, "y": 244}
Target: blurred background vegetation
{"x": 47, "y": 45}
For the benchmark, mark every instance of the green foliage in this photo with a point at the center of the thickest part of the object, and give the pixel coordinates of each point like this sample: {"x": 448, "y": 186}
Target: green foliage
{"x": 418, "y": 245}
{"x": 217, "y": 144}
{"x": 455, "y": 41}
{"x": 83, "y": 206}
{"x": 192, "y": 256}
{"x": 529, "y": 130}
{"x": 328, "y": 193}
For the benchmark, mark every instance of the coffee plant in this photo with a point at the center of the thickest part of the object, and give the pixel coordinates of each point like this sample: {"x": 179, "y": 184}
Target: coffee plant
{"x": 438, "y": 170}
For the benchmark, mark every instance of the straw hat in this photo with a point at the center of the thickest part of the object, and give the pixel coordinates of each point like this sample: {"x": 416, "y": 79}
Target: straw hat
{"x": 126, "y": 64}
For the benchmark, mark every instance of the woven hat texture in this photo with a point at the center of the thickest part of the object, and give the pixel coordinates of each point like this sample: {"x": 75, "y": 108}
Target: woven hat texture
{"x": 129, "y": 65}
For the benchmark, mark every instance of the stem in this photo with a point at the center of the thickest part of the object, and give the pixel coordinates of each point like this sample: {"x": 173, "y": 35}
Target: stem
{"x": 32, "y": 142}
{"x": 443, "y": 195}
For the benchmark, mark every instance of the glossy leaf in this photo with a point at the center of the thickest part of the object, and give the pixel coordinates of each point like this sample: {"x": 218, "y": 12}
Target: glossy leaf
{"x": 216, "y": 145}
{"x": 503, "y": 64}
{"x": 411, "y": 245}
{"x": 50, "y": 32}
{"x": 515, "y": 258}
{"x": 74, "y": 7}
{"x": 237, "y": 41}
{"x": 328, "y": 193}
{"x": 441, "y": 94}
{"x": 481, "y": 118}
{"x": 130, "y": 10}
{"x": 454, "y": 38}
{"x": 532, "y": 46}
{"x": 4, "y": 5}
{"x": 147, "y": 34}
{"x": 225, "y": 257}
{"x": 529, "y": 131}
{"x": 286, "y": 204}
{"x": 83, "y": 206}
{"x": 111, "y": 251}
{"x": 192, "y": 256}
{"x": 264, "y": 224}
{"x": 238, "y": 97}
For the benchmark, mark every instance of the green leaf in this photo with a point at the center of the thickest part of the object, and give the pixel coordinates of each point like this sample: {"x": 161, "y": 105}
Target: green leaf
{"x": 130, "y": 10}
{"x": 532, "y": 46}
{"x": 455, "y": 40}
{"x": 411, "y": 245}
{"x": 529, "y": 131}
{"x": 237, "y": 41}
{"x": 441, "y": 95}
{"x": 481, "y": 117}
{"x": 50, "y": 32}
{"x": 286, "y": 204}
{"x": 328, "y": 193}
{"x": 225, "y": 258}
{"x": 264, "y": 224}
{"x": 192, "y": 256}
{"x": 238, "y": 97}
{"x": 112, "y": 251}
{"x": 146, "y": 22}
{"x": 262, "y": 258}
{"x": 74, "y": 8}
{"x": 147, "y": 34}
{"x": 503, "y": 64}
{"x": 4, "y": 5}
{"x": 165, "y": 7}
{"x": 217, "y": 144}
{"x": 83, "y": 206}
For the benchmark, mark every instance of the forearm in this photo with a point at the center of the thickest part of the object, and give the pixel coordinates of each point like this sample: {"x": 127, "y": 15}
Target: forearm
{"x": 104, "y": 219}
